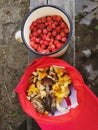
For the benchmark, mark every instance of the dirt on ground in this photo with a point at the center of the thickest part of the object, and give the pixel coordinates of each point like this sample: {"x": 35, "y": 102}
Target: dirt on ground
{"x": 87, "y": 53}
{"x": 14, "y": 58}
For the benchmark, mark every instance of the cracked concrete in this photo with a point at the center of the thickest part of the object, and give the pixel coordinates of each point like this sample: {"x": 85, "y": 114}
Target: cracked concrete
{"x": 86, "y": 39}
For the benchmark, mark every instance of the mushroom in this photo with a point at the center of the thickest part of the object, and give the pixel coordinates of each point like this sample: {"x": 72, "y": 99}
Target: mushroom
{"x": 38, "y": 104}
{"x": 47, "y": 82}
{"x": 49, "y": 100}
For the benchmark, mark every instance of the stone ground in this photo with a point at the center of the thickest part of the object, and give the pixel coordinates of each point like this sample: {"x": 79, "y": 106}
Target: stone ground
{"x": 14, "y": 56}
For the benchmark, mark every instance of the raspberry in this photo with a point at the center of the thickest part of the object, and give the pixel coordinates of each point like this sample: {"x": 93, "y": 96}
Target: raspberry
{"x": 34, "y": 34}
{"x": 58, "y": 37}
{"x": 43, "y": 19}
{"x": 62, "y": 25}
{"x": 44, "y": 37}
{"x": 49, "y": 28}
{"x": 32, "y": 39}
{"x": 39, "y": 49}
{"x": 47, "y": 38}
{"x": 45, "y": 31}
{"x": 64, "y": 39}
{"x": 53, "y": 25}
{"x": 39, "y": 31}
{"x": 56, "y": 23}
{"x": 38, "y": 20}
{"x": 54, "y": 17}
{"x": 58, "y": 18}
{"x": 58, "y": 29}
{"x": 49, "y": 34}
{"x": 41, "y": 26}
{"x": 53, "y": 50}
{"x": 55, "y": 42}
{"x": 58, "y": 45}
{"x": 54, "y": 33}
{"x": 43, "y": 46}
{"x": 31, "y": 27}
{"x": 52, "y": 47}
{"x": 46, "y": 24}
{"x": 34, "y": 23}
{"x": 33, "y": 45}
{"x": 62, "y": 34}
{"x": 37, "y": 40}
{"x": 48, "y": 18}
{"x": 66, "y": 30}
{"x": 46, "y": 43}
{"x": 41, "y": 42}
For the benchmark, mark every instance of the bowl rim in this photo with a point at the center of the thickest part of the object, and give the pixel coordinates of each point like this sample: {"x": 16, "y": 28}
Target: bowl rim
{"x": 30, "y": 12}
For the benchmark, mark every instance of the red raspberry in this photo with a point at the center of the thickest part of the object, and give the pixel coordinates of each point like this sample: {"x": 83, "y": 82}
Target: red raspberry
{"x": 39, "y": 49}
{"x": 43, "y": 46}
{"x": 45, "y": 31}
{"x": 48, "y": 18}
{"x": 58, "y": 18}
{"x": 46, "y": 43}
{"x": 58, "y": 45}
{"x": 56, "y": 23}
{"x": 62, "y": 34}
{"x": 62, "y": 25}
{"x": 54, "y": 33}
{"x": 41, "y": 42}
{"x": 43, "y": 19}
{"x": 50, "y": 23}
{"x": 55, "y": 42}
{"x": 58, "y": 29}
{"x": 48, "y": 39}
{"x": 34, "y": 34}
{"x": 32, "y": 39}
{"x": 46, "y": 24}
{"x": 49, "y": 34}
{"x": 54, "y": 17}
{"x": 33, "y": 45}
{"x": 52, "y": 47}
{"x": 37, "y": 40}
{"x": 58, "y": 37}
{"x": 31, "y": 27}
{"x": 42, "y": 26}
{"x": 66, "y": 30}
{"x": 34, "y": 23}
{"x": 44, "y": 37}
{"x": 53, "y": 50}
{"x": 38, "y": 20}
{"x": 53, "y": 25}
{"x": 49, "y": 28}
{"x": 34, "y": 29}
{"x": 64, "y": 39}
{"x": 39, "y": 31}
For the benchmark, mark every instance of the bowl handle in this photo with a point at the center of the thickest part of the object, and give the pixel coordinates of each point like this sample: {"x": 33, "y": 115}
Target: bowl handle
{"x": 18, "y": 36}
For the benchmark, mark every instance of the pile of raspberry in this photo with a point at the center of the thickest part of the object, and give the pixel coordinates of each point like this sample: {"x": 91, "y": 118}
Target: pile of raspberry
{"x": 48, "y": 34}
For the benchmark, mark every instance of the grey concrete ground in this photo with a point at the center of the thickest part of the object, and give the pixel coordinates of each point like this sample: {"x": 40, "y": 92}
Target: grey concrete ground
{"x": 13, "y": 56}
{"x": 87, "y": 41}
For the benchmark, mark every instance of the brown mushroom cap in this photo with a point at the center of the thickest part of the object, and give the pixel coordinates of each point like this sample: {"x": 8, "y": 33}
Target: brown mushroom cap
{"x": 47, "y": 81}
